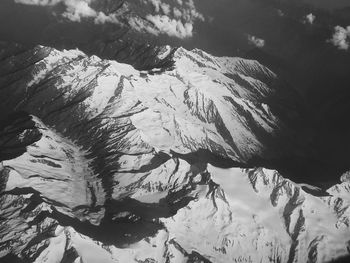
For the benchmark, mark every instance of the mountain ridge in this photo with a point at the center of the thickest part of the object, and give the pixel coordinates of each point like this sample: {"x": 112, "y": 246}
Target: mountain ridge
{"x": 135, "y": 155}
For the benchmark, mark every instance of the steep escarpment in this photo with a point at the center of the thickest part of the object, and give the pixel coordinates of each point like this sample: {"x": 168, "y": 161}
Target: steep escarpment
{"x": 107, "y": 163}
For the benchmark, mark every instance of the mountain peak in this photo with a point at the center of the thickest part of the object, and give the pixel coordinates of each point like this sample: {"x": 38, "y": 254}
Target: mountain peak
{"x": 113, "y": 163}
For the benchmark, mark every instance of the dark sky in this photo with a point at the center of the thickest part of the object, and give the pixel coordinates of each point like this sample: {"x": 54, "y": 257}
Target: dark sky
{"x": 234, "y": 19}
{"x": 328, "y": 4}
{"x": 225, "y": 31}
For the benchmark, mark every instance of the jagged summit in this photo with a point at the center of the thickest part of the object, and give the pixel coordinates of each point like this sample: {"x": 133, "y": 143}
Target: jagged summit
{"x": 114, "y": 164}
{"x": 208, "y": 91}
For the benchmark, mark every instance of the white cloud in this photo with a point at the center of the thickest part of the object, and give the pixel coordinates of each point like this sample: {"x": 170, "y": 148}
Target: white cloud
{"x": 309, "y": 18}
{"x": 190, "y": 12}
{"x": 160, "y": 7}
{"x": 179, "y": 2}
{"x": 75, "y": 9}
{"x": 165, "y": 8}
{"x": 341, "y": 37}
{"x": 258, "y": 42}
{"x": 175, "y": 20}
{"x": 102, "y": 18}
{"x": 177, "y": 13}
{"x": 178, "y": 23}
{"x": 156, "y": 4}
{"x": 38, "y": 2}
{"x": 171, "y": 27}
{"x": 280, "y": 12}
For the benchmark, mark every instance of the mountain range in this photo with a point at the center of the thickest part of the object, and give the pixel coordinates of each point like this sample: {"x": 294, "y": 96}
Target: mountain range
{"x": 177, "y": 156}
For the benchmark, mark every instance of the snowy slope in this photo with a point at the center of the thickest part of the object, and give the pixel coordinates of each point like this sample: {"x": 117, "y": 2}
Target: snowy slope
{"x": 256, "y": 215}
{"x": 137, "y": 166}
{"x": 239, "y": 215}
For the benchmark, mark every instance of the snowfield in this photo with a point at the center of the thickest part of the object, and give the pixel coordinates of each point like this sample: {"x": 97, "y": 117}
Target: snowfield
{"x": 113, "y": 164}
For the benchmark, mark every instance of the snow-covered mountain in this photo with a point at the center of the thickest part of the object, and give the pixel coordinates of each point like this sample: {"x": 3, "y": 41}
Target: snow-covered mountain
{"x": 102, "y": 162}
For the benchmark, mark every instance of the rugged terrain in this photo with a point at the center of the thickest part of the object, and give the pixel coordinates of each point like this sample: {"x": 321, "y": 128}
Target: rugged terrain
{"x": 102, "y": 162}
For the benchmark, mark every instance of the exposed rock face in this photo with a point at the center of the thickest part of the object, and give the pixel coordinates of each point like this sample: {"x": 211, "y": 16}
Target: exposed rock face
{"x": 113, "y": 165}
